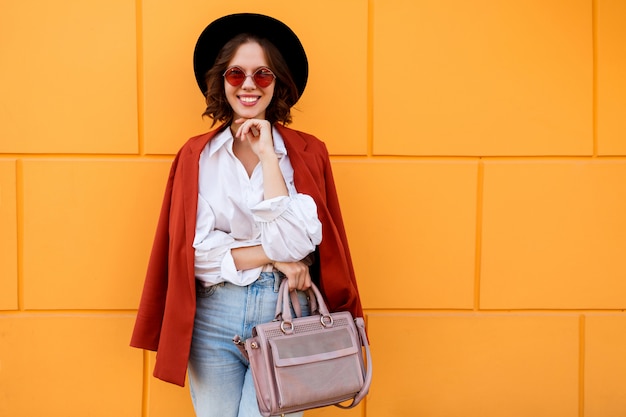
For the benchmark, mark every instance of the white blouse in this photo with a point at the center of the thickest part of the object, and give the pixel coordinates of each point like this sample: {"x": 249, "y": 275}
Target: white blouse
{"x": 233, "y": 214}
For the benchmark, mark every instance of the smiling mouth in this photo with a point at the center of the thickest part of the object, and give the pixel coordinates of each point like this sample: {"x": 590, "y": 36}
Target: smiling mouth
{"x": 248, "y": 99}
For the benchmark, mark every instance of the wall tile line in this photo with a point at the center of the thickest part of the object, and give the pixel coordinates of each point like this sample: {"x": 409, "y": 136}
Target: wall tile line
{"x": 581, "y": 368}
{"x": 594, "y": 60}
{"x": 140, "y": 83}
{"x": 19, "y": 200}
{"x": 479, "y": 232}
{"x": 370, "y": 78}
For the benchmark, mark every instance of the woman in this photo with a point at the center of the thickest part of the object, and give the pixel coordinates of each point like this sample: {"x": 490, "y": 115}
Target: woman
{"x": 245, "y": 205}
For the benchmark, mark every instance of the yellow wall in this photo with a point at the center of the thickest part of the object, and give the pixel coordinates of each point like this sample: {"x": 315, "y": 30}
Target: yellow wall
{"x": 479, "y": 149}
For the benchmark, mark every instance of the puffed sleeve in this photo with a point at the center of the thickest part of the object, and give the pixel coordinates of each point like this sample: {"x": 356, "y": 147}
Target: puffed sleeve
{"x": 290, "y": 229}
{"x": 212, "y": 257}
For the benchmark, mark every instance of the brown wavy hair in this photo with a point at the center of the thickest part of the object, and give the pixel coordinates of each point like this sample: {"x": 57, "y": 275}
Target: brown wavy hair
{"x": 285, "y": 90}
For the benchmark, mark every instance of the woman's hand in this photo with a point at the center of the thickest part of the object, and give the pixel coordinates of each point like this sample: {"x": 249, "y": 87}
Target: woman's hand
{"x": 297, "y": 273}
{"x": 258, "y": 133}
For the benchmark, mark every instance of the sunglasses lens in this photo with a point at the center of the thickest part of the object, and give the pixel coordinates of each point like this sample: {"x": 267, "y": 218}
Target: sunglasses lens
{"x": 235, "y": 76}
{"x": 263, "y": 77}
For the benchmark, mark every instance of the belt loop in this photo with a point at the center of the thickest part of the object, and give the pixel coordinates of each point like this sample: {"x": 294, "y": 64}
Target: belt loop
{"x": 278, "y": 277}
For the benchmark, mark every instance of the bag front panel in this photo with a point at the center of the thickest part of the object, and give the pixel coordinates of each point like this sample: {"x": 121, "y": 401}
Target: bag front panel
{"x": 318, "y": 366}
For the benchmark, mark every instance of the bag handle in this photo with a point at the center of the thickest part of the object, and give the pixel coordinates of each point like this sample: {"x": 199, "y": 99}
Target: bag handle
{"x": 295, "y": 302}
{"x": 288, "y": 298}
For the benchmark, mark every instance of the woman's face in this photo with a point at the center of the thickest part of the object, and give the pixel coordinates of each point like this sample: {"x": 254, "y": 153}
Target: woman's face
{"x": 248, "y": 100}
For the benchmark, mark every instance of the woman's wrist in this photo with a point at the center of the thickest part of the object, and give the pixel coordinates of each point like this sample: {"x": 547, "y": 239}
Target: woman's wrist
{"x": 249, "y": 257}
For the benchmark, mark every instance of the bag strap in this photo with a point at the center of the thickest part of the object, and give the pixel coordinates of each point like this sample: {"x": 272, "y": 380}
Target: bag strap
{"x": 287, "y": 298}
{"x": 360, "y": 324}
{"x": 297, "y": 308}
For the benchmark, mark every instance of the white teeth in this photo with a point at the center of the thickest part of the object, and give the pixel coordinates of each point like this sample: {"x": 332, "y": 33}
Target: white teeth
{"x": 248, "y": 99}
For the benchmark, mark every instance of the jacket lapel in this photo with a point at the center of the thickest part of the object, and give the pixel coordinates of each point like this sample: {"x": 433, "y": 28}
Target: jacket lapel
{"x": 307, "y": 174}
{"x": 190, "y": 170}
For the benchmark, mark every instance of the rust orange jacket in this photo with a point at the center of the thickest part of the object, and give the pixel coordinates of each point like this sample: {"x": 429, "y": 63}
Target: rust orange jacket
{"x": 168, "y": 304}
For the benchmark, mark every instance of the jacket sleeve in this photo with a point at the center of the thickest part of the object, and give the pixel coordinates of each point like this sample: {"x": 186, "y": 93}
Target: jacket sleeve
{"x": 341, "y": 288}
{"x": 147, "y": 329}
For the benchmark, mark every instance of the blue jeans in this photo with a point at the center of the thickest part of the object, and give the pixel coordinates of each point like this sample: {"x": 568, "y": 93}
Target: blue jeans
{"x": 220, "y": 378}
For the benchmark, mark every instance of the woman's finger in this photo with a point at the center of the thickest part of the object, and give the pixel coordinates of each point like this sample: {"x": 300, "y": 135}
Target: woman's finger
{"x": 297, "y": 274}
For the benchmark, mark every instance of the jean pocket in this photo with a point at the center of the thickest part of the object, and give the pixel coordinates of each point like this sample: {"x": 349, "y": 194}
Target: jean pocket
{"x": 206, "y": 292}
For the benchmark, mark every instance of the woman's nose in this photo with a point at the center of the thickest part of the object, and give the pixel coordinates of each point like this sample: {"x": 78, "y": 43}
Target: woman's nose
{"x": 248, "y": 83}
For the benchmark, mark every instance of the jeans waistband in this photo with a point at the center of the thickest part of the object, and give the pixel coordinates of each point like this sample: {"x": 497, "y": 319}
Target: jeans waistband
{"x": 276, "y": 275}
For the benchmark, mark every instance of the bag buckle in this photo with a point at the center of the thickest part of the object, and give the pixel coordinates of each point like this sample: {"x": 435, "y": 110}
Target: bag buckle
{"x": 287, "y": 330}
{"x": 327, "y": 321}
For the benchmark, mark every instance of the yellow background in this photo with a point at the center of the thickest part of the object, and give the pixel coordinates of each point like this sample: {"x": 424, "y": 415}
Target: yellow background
{"x": 479, "y": 149}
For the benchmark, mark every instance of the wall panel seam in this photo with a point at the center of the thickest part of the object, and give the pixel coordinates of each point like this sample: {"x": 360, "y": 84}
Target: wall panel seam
{"x": 370, "y": 79}
{"x": 581, "y": 367}
{"x": 19, "y": 219}
{"x": 447, "y": 158}
{"x": 68, "y": 313}
{"x": 479, "y": 233}
{"x": 90, "y": 157}
{"x": 512, "y": 312}
{"x": 594, "y": 72}
{"x": 140, "y": 85}
{"x": 145, "y": 386}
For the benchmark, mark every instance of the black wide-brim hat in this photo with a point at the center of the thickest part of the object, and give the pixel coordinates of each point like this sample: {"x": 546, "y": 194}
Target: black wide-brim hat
{"x": 220, "y": 31}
